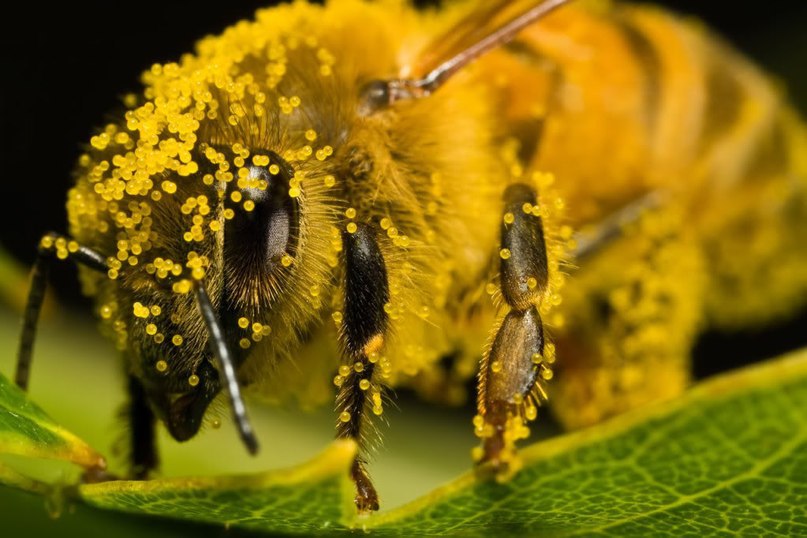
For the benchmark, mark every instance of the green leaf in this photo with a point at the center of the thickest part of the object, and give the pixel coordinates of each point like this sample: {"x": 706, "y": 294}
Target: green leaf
{"x": 26, "y": 430}
{"x": 730, "y": 456}
{"x": 306, "y": 498}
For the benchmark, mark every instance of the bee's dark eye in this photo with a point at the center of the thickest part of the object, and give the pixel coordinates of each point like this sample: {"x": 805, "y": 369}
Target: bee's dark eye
{"x": 265, "y": 219}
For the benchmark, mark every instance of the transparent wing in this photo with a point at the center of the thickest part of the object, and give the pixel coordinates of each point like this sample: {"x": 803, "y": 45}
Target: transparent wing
{"x": 490, "y": 24}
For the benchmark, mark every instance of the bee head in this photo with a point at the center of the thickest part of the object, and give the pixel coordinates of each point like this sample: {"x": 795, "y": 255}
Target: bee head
{"x": 223, "y": 179}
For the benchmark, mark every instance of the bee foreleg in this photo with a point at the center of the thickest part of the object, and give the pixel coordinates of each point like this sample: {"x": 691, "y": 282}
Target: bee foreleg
{"x": 362, "y": 336}
{"x": 513, "y": 366}
{"x": 52, "y": 246}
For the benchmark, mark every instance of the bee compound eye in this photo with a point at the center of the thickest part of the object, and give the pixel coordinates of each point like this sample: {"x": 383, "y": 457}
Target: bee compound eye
{"x": 265, "y": 222}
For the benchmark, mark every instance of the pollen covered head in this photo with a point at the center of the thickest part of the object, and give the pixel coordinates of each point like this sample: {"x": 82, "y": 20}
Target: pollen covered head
{"x": 222, "y": 171}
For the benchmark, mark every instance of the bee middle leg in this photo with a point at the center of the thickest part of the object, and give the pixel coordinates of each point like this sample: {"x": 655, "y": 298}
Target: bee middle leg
{"x": 514, "y": 367}
{"x": 362, "y": 335}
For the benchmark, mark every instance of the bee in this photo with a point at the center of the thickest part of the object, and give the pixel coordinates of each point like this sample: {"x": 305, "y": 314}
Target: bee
{"x": 349, "y": 195}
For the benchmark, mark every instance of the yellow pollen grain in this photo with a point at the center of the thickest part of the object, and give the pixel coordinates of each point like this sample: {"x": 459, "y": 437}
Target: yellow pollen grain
{"x": 364, "y": 384}
{"x": 344, "y": 416}
{"x": 532, "y": 283}
{"x": 527, "y": 207}
{"x": 193, "y": 380}
{"x": 244, "y": 343}
{"x": 504, "y": 253}
{"x": 161, "y": 366}
{"x": 351, "y": 227}
{"x": 249, "y": 205}
{"x": 350, "y": 213}
{"x": 546, "y": 373}
{"x": 176, "y": 340}
{"x": 243, "y": 323}
{"x": 496, "y": 367}
{"x": 286, "y": 260}
{"x": 151, "y": 329}
{"x": 337, "y": 316}
{"x": 329, "y": 180}
{"x": 159, "y": 338}
{"x": 509, "y": 218}
{"x": 140, "y": 311}
{"x": 537, "y": 358}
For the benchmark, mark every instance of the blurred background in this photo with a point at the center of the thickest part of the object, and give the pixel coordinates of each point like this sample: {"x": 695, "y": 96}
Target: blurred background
{"x": 65, "y": 68}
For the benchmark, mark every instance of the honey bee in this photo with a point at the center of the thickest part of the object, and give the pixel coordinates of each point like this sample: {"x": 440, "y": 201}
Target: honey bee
{"x": 415, "y": 185}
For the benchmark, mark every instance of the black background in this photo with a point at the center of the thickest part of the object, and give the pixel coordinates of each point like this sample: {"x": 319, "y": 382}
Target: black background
{"x": 63, "y": 69}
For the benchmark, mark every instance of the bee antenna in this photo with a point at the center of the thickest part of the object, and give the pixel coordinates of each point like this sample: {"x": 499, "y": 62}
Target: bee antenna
{"x": 226, "y": 366}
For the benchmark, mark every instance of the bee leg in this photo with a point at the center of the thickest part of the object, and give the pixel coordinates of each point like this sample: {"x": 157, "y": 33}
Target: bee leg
{"x": 612, "y": 227}
{"x": 362, "y": 335}
{"x": 143, "y": 457}
{"x": 513, "y": 368}
{"x": 52, "y": 246}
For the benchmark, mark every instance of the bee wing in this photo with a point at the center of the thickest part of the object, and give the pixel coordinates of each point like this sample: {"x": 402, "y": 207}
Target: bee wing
{"x": 490, "y": 24}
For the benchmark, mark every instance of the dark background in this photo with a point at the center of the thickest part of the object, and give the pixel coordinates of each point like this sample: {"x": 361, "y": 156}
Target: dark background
{"x": 65, "y": 68}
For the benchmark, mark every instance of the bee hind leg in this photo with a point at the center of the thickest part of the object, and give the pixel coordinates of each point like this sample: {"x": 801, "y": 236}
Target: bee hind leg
{"x": 362, "y": 334}
{"x": 514, "y": 366}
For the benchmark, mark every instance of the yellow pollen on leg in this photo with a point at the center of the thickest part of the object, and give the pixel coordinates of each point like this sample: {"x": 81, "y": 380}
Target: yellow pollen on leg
{"x": 374, "y": 344}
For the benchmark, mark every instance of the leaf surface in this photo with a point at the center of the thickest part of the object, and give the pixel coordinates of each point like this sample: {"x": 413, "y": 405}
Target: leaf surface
{"x": 730, "y": 456}
{"x": 26, "y": 430}
{"x": 307, "y": 498}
